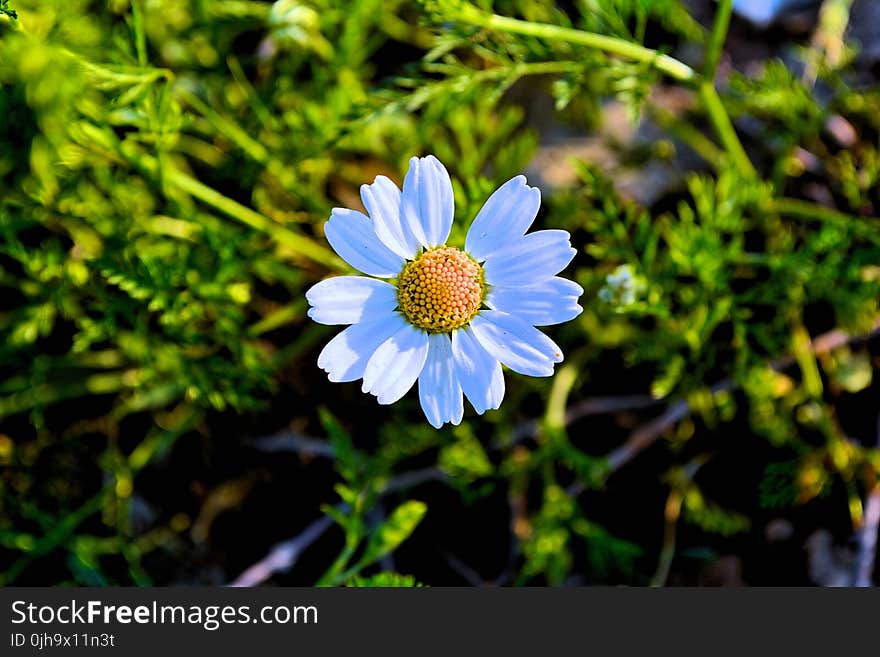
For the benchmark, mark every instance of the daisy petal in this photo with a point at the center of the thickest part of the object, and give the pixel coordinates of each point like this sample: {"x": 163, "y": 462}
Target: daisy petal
{"x": 427, "y": 205}
{"x": 439, "y": 390}
{"x": 396, "y": 364}
{"x": 350, "y": 299}
{"x": 551, "y": 302}
{"x": 345, "y": 357}
{"x": 351, "y": 235}
{"x": 530, "y": 260}
{"x": 520, "y": 346}
{"x": 504, "y": 218}
{"x": 479, "y": 373}
{"x": 382, "y": 201}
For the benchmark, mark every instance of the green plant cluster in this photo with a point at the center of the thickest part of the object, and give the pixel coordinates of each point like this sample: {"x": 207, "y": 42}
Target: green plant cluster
{"x": 165, "y": 170}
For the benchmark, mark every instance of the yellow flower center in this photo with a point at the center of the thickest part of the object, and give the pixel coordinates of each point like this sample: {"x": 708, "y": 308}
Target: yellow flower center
{"x": 441, "y": 290}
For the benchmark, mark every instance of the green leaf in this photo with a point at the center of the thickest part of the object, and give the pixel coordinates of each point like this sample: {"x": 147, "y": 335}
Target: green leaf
{"x": 394, "y": 531}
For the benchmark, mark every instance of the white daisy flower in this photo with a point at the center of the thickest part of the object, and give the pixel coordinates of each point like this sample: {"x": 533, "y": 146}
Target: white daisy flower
{"x": 446, "y": 317}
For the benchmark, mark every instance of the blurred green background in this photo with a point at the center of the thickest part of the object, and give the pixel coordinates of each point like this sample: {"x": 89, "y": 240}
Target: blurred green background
{"x": 165, "y": 171}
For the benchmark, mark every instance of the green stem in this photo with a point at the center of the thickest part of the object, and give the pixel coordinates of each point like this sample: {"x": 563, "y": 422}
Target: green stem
{"x": 301, "y": 244}
{"x": 867, "y": 227}
{"x": 49, "y": 393}
{"x": 521, "y": 69}
{"x": 717, "y": 38}
{"x": 332, "y": 576}
{"x": 724, "y": 128}
{"x": 58, "y": 535}
{"x": 709, "y": 97}
{"x": 279, "y": 317}
{"x": 563, "y": 382}
{"x": 140, "y": 36}
{"x": 665, "y": 64}
{"x": 805, "y": 356}
{"x": 694, "y": 138}
{"x": 612, "y": 45}
{"x": 259, "y": 108}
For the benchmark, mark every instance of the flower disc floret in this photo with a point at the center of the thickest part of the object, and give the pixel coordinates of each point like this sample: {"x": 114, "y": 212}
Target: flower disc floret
{"x": 441, "y": 290}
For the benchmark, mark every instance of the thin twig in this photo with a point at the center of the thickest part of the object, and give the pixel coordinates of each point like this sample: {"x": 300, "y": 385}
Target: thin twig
{"x": 665, "y": 64}
{"x": 645, "y": 435}
{"x": 413, "y": 478}
{"x": 293, "y": 441}
{"x": 284, "y": 556}
{"x": 376, "y": 516}
{"x": 867, "y": 535}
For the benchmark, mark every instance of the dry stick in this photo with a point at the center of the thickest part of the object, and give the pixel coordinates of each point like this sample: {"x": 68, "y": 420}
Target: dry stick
{"x": 284, "y": 556}
{"x": 670, "y": 536}
{"x": 308, "y": 446}
{"x": 647, "y": 434}
{"x": 867, "y": 534}
{"x": 582, "y": 409}
{"x": 293, "y": 441}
